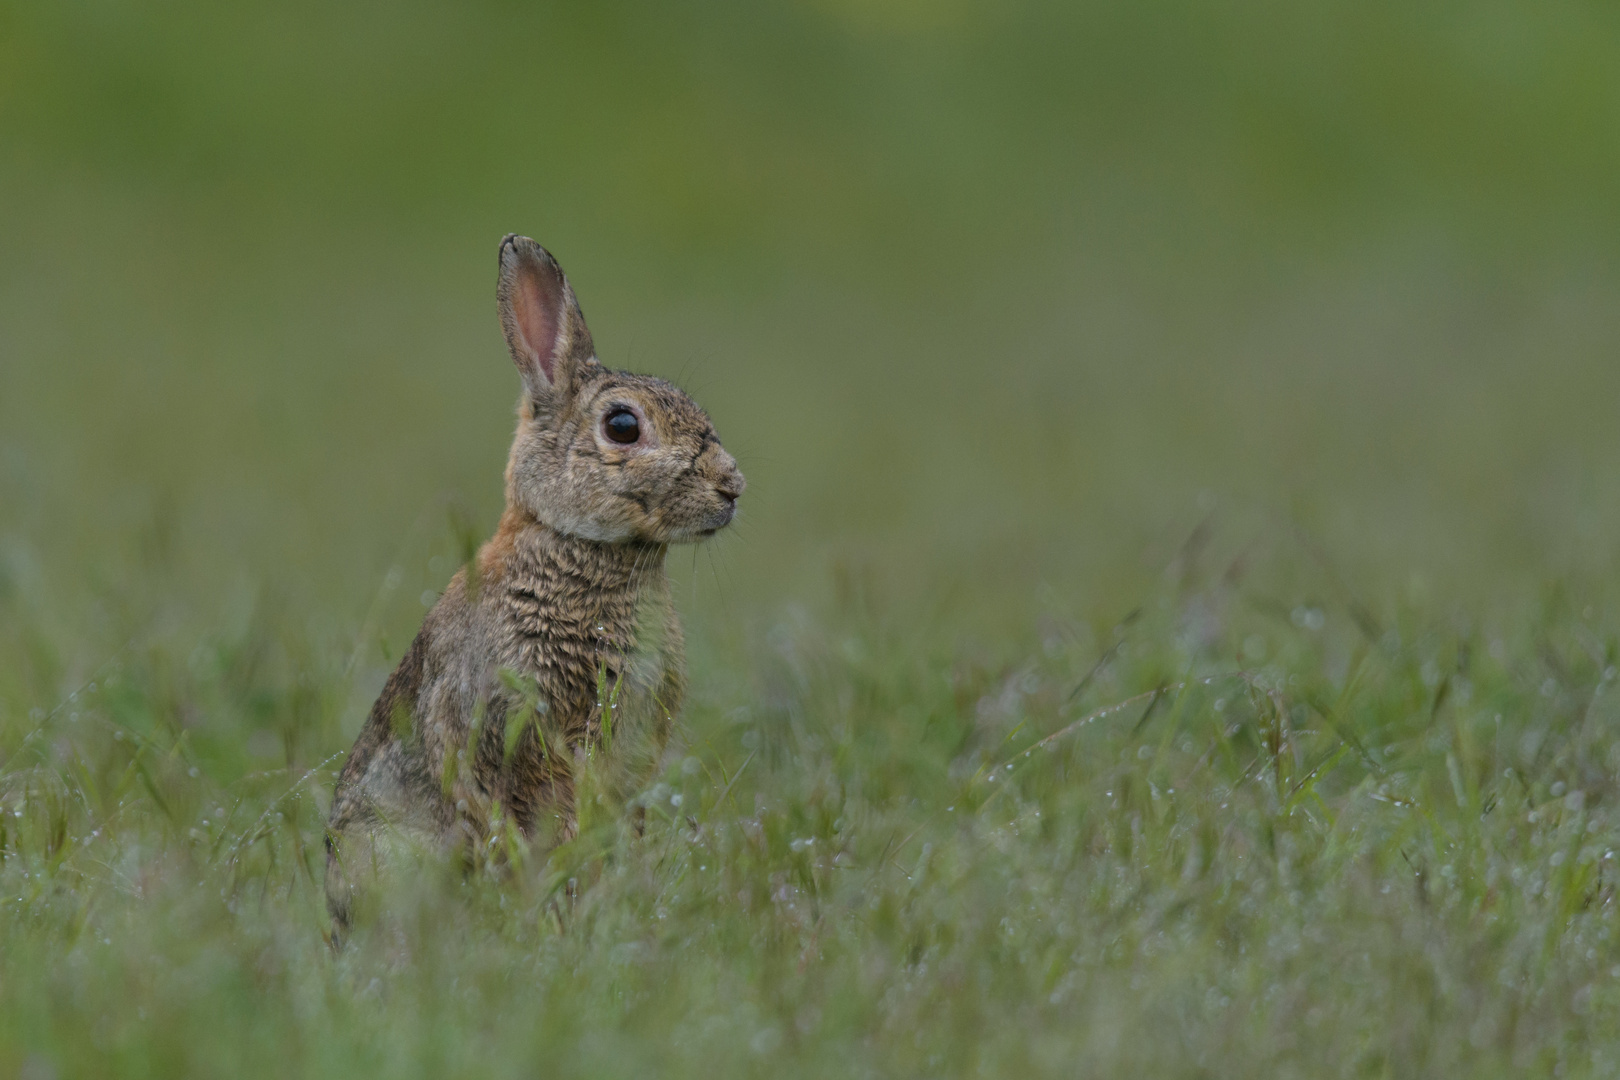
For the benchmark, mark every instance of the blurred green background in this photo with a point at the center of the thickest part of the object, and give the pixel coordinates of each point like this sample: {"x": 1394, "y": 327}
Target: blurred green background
{"x": 988, "y": 299}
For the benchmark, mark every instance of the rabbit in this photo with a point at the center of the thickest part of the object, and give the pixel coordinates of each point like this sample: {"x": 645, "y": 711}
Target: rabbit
{"x": 561, "y": 631}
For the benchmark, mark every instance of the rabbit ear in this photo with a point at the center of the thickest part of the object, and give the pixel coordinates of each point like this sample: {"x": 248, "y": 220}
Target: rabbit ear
{"x": 543, "y": 324}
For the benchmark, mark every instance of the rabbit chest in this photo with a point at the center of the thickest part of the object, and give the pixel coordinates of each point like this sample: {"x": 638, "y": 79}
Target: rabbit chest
{"x": 574, "y": 650}
{"x": 593, "y": 626}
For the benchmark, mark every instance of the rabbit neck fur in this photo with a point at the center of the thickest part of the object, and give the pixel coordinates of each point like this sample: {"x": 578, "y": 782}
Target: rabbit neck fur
{"x": 566, "y": 607}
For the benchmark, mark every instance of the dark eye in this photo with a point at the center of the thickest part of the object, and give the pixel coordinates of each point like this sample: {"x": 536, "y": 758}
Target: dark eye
{"x": 621, "y": 426}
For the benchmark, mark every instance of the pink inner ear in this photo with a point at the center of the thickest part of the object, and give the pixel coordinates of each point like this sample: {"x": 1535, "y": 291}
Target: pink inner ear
{"x": 537, "y": 321}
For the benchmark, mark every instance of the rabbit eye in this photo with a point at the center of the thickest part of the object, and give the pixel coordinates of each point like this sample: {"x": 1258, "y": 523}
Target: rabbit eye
{"x": 621, "y": 426}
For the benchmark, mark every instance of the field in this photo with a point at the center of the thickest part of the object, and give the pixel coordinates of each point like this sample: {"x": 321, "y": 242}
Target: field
{"x": 1171, "y": 629}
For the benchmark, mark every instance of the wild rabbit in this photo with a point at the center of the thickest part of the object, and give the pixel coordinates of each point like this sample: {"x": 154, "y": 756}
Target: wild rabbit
{"x": 561, "y": 631}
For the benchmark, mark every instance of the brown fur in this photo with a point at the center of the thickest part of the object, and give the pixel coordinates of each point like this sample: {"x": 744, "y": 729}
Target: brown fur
{"x": 502, "y": 691}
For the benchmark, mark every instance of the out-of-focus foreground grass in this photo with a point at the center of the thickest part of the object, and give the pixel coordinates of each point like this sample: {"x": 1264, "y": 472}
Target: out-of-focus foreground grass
{"x": 1252, "y": 366}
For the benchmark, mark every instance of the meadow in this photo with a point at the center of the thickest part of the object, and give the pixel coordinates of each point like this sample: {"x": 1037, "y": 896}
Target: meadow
{"x": 1171, "y": 628}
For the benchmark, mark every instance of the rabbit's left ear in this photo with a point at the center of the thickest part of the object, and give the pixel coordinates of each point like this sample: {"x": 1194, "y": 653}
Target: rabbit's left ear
{"x": 541, "y": 319}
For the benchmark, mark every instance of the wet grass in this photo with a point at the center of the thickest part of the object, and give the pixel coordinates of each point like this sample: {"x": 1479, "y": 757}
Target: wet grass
{"x": 1219, "y": 835}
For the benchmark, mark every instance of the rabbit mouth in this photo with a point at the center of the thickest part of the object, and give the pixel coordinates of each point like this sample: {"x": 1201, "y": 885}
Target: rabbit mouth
{"x": 717, "y": 520}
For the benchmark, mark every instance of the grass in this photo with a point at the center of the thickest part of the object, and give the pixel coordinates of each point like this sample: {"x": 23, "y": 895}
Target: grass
{"x": 1221, "y": 836}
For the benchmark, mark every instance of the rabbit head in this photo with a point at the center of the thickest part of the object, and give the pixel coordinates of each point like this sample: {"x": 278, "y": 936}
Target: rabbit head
{"x": 600, "y": 454}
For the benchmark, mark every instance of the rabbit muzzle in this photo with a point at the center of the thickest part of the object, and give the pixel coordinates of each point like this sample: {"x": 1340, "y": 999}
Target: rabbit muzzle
{"x": 727, "y": 483}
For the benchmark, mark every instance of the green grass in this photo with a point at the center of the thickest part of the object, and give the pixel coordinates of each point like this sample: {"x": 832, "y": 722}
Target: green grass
{"x": 1213, "y": 403}
{"x": 1229, "y": 835}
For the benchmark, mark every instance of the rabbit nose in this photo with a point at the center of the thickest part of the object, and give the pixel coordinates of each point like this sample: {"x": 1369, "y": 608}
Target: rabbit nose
{"x": 729, "y": 483}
